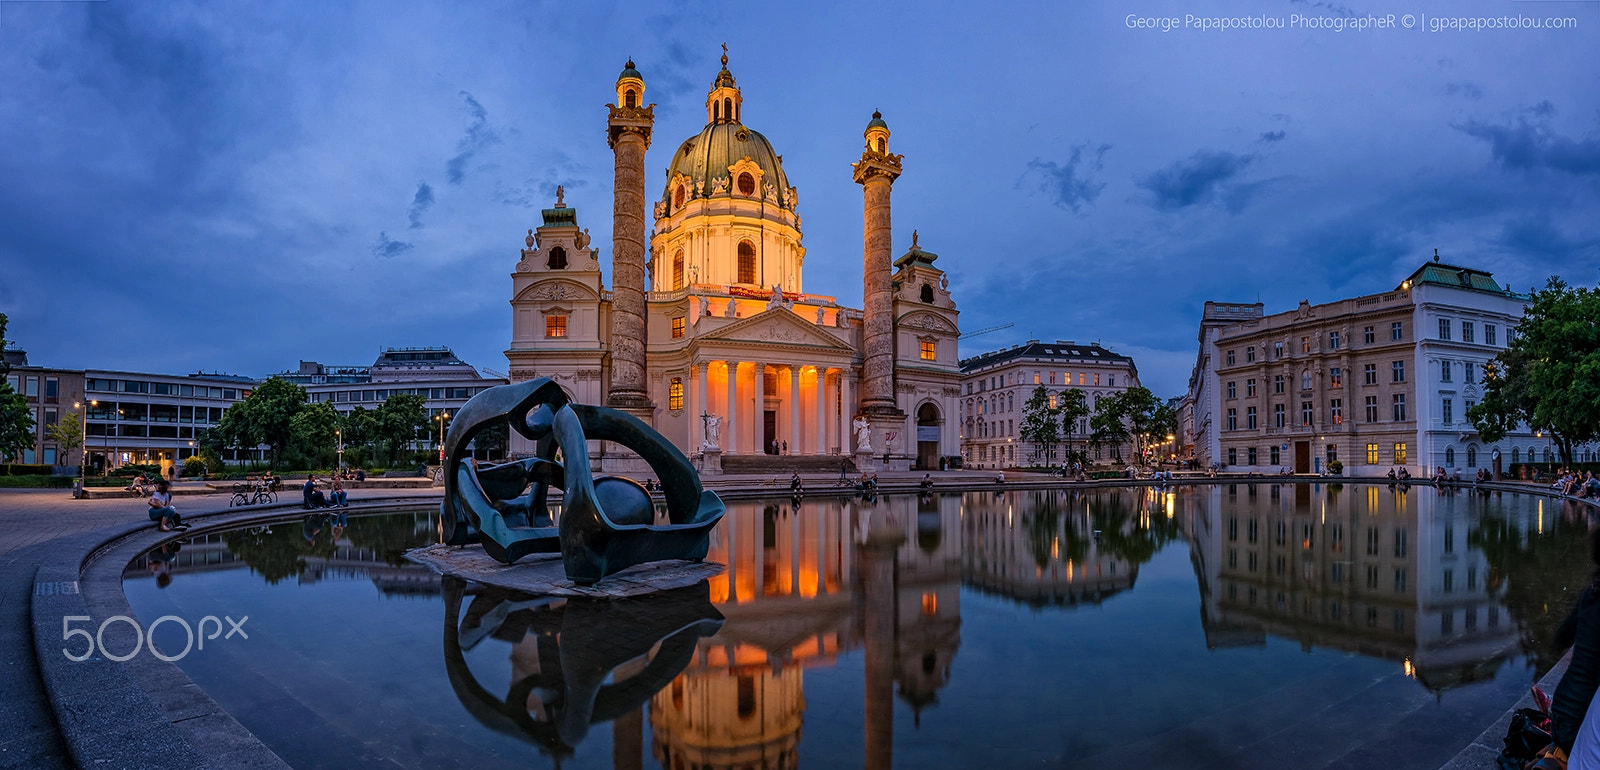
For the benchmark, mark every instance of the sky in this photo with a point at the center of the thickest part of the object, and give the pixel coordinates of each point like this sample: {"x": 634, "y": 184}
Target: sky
{"x": 239, "y": 186}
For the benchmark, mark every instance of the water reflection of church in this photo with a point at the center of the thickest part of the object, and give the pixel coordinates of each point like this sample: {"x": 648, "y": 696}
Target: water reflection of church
{"x": 1361, "y": 569}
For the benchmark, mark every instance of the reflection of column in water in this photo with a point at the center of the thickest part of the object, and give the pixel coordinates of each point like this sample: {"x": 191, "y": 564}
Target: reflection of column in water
{"x": 627, "y": 733}
{"x": 877, "y": 566}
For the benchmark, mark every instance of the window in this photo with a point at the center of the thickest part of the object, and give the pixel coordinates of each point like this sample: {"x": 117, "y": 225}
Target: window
{"x": 1111, "y": 380}
{"x": 1333, "y": 340}
{"x": 1230, "y": 358}
{"x": 1053, "y": 379}
{"x": 747, "y": 258}
{"x": 1444, "y": 328}
{"x": 1369, "y": 374}
{"x": 1305, "y": 380}
{"x": 1277, "y": 383}
{"x": 1367, "y": 336}
{"x": 1400, "y": 452}
{"x": 1250, "y": 456}
{"x": 1397, "y": 371}
{"x": 927, "y": 293}
{"x": 555, "y": 326}
{"x": 1305, "y": 413}
{"x": 1250, "y": 387}
{"x": 1273, "y": 453}
{"x": 1399, "y": 541}
{"x": 1233, "y": 390}
{"x": 1250, "y": 417}
{"x": 1233, "y": 456}
{"x": 677, "y": 195}
{"x": 679, "y": 327}
{"x": 1277, "y": 415}
{"x": 929, "y": 350}
{"x": 1469, "y": 372}
{"x": 1466, "y": 332}
{"x": 1488, "y": 334}
{"x": 1277, "y": 350}
{"x": 1336, "y": 411}
{"x": 52, "y": 387}
{"x": 1250, "y": 354}
{"x": 678, "y": 277}
{"x": 1372, "y": 454}
{"x": 1305, "y": 344}
{"x": 1097, "y": 379}
{"x": 1335, "y": 377}
{"x": 1444, "y": 371}
{"x": 675, "y": 394}
{"x": 32, "y": 386}
{"x": 1399, "y": 407}
{"x": 1447, "y": 412}
{"x": 747, "y": 184}
{"x": 1449, "y": 457}
{"x": 1396, "y": 331}
{"x": 1472, "y": 457}
{"x": 1372, "y": 408}
{"x": 1233, "y": 419}
{"x": 558, "y": 259}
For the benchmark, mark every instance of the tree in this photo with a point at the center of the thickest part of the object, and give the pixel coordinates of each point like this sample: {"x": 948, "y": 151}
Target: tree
{"x": 67, "y": 433}
{"x": 1039, "y": 421}
{"x": 359, "y": 432}
{"x": 1549, "y": 374}
{"x": 1108, "y": 426}
{"x": 1139, "y": 408}
{"x": 314, "y": 427}
{"x": 1071, "y": 408}
{"x": 16, "y": 419}
{"x": 491, "y": 444}
{"x": 266, "y": 417}
{"x": 398, "y": 419}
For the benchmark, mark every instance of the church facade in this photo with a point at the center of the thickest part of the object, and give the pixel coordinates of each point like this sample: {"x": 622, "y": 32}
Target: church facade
{"x": 709, "y": 334}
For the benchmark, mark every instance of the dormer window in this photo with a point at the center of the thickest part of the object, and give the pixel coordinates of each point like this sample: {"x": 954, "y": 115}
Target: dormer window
{"x": 927, "y": 293}
{"x": 747, "y": 184}
{"x": 558, "y": 259}
{"x": 677, "y": 198}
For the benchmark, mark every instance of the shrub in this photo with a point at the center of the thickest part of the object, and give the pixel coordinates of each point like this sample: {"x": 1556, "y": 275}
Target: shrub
{"x": 194, "y": 467}
{"x": 37, "y": 480}
{"x": 26, "y": 469}
{"x": 1335, "y": 467}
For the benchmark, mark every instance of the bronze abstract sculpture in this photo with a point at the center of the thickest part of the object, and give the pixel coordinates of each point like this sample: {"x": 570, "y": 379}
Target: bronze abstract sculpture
{"x": 607, "y": 522}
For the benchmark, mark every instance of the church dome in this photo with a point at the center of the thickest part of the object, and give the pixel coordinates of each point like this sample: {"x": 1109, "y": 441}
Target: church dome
{"x": 708, "y": 156}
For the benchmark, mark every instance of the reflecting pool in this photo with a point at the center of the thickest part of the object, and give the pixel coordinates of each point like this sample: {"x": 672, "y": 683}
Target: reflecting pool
{"x": 1248, "y": 625}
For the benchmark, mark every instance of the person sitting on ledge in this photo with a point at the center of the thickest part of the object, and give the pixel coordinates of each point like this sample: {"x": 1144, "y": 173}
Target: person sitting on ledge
{"x": 927, "y": 481}
{"x": 1580, "y": 631}
{"x": 336, "y": 494}
{"x": 312, "y": 496}
{"x": 161, "y": 509}
{"x": 1392, "y": 476}
{"x": 1000, "y": 478}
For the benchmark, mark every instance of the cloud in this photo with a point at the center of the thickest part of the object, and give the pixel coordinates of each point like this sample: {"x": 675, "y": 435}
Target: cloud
{"x": 1273, "y": 136}
{"x": 388, "y": 248}
{"x": 1529, "y": 143}
{"x": 420, "y": 203}
{"x": 479, "y": 136}
{"x": 1468, "y": 90}
{"x": 1536, "y": 238}
{"x": 1193, "y": 180}
{"x": 1071, "y": 187}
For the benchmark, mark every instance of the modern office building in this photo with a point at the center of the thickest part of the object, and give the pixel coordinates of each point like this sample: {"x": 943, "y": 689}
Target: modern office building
{"x": 140, "y": 417}
{"x": 996, "y": 385}
{"x": 1378, "y": 382}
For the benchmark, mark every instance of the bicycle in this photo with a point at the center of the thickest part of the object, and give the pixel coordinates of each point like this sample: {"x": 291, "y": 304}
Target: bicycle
{"x": 252, "y": 494}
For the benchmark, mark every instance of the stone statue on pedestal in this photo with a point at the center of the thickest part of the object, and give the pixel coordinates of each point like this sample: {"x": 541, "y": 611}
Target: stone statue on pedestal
{"x": 713, "y": 425}
{"x": 863, "y": 431}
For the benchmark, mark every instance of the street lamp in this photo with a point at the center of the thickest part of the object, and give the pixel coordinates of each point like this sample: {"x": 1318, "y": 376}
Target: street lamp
{"x": 442, "y": 417}
{"x": 339, "y": 434}
{"x": 83, "y": 454}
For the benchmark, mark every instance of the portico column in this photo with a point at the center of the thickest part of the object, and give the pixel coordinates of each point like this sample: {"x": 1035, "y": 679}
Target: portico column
{"x": 730, "y": 429}
{"x": 821, "y": 390}
{"x": 701, "y": 370}
{"x": 759, "y": 408}
{"x": 794, "y": 407}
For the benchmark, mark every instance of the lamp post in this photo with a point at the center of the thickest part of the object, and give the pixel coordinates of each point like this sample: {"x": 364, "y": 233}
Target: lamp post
{"x": 83, "y": 454}
{"x": 339, "y": 434}
{"x": 442, "y": 417}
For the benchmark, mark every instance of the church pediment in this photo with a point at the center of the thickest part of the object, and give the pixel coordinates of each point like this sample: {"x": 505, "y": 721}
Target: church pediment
{"x": 777, "y": 326}
{"x": 556, "y": 291}
{"x": 927, "y": 321}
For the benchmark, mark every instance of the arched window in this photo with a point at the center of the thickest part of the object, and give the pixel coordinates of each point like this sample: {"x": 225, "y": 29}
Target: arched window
{"x": 747, "y": 184}
{"x": 727, "y": 107}
{"x": 630, "y": 98}
{"x": 927, "y": 293}
{"x": 1516, "y": 455}
{"x": 880, "y": 144}
{"x": 716, "y": 110}
{"x": 677, "y": 197}
{"x": 677, "y": 270}
{"x": 1472, "y": 457}
{"x": 747, "y": 260}
{"x": 558, "y": 259}
{"x": 675, "y": 394}
{"x": 1450, "y": 456}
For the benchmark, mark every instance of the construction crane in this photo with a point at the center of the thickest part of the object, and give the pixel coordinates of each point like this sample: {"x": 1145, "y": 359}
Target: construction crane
{"x": 986, "y": 330}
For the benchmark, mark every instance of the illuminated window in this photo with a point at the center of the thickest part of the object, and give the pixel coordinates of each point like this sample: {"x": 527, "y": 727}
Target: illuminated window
{"x": 930, "y": 604}
{"x": 1336, "y": 377}
{"x": 675, "y": 394}
{"x": 1372, "y": 454}
{"x": 555, "y": 326}
{"x": 1399, "y": 454}
{"x": 678, "y": 326}
{"x": 747, "y": 184}
{"x": 1336, "y": 410}
{"x": 928, "y": 350}
{"x": 747, "y": 259}
{"x": 677, "y": 270}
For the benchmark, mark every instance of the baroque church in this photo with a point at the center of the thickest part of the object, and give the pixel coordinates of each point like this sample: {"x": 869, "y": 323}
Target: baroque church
{"x": 707, "y": 331}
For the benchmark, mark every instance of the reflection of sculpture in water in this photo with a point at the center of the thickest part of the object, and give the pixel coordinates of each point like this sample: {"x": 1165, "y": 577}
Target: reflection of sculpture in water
{"x": 575, "y": 662}
{"x": 607, "y": 523}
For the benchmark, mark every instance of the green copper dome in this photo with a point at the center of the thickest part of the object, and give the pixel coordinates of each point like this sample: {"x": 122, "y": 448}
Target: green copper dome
{"x": 708, "y": 155}
{"x": 629, "y": 72}
{"x": 877, "y": 121}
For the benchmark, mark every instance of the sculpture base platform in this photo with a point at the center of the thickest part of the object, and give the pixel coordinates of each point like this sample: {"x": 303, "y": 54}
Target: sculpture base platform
{"x": 709, "y": 463}
{"x": 866, "y": 462}
{"x": 618, "y": 460}
{"x": 543, "y": 574}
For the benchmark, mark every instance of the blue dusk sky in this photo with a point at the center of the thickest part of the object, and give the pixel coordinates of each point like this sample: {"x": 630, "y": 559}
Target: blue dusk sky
{"x": 237, "y": 186}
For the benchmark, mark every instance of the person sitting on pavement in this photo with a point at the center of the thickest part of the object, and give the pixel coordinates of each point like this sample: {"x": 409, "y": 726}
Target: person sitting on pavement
{"x": 312, "y": 496}
{"x": 1000, "y": 478}
{"x": 336, "y": 494}
{"x": 794, "y": 482}
{"x": 161, "y": 509}
{"x": 927, "y": 481}
{"x": 139, "y": 486}
{"x": 269, "y": 482}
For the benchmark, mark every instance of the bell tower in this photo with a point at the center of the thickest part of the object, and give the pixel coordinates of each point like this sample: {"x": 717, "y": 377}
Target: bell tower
{"x": 724, "y": 104}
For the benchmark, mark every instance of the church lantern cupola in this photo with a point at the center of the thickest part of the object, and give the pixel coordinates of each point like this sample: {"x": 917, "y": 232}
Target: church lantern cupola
{"x": 877, "y": 134}
{"x": 630, "y": 87}
{"x": 723, "y": 103}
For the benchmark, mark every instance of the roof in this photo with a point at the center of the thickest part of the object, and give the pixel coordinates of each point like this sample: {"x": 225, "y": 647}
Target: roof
{"x": 877, "y": 121}
{"x": 1060, "y": 350}
{"x": 707, "y": 156}
{"x": 1437, "y": 273}
{"x": 629, "y": 72}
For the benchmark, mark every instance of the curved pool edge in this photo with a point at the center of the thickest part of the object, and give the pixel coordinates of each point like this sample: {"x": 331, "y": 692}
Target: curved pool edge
{"x": 125, "y": 713}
